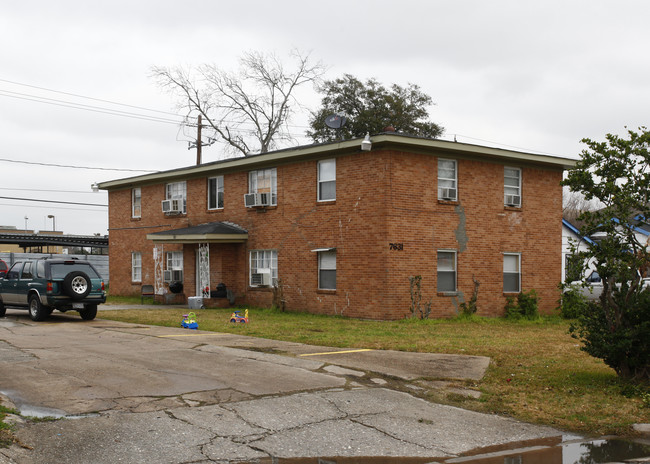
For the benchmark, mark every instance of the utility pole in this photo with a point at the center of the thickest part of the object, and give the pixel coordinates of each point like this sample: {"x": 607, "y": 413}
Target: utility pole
{"x": 198, "y": 141}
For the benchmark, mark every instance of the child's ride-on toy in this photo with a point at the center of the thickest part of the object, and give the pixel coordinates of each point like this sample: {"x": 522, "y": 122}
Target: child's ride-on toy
{"x": 236, "y": 317}
{"x": 189, "y": 321}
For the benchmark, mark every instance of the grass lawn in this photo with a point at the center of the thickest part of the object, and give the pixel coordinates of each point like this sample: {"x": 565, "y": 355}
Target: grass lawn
{"x": 6, "y": 436}
{"x": 538, "y": 372}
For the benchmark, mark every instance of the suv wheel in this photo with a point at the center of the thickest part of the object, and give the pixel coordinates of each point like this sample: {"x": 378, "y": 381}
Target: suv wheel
{"x": 36, "y": 310}
{"x": 77, "y": 285}
{"x": 89, "y": 313}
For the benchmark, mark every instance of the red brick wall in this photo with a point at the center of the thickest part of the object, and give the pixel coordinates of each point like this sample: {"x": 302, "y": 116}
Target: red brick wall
{"x": 479, "y": 228}
{"x": 382, "y": 197}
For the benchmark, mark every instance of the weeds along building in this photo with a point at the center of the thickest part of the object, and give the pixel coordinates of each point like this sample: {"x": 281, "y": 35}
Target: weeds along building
{"x": 338, "y": 228}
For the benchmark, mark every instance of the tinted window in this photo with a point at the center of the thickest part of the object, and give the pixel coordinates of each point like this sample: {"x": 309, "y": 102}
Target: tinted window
{"x": 40, "y": 269}
{"x": 594, "y": 277}
{"x": 27, "y": 271}
{"x": 60, "y": 270}
{"x": 14, "y": 272}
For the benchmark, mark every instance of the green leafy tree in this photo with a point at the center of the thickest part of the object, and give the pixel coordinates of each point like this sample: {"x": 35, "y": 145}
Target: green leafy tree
{"x": 616, "y": 173}
{"x": 371, "y": 107}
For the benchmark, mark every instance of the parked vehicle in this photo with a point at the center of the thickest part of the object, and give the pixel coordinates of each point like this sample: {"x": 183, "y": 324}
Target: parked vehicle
{"x": 43, "y": 285}
{"x": 3, "y": 268}
{"x": 594, "y": 287}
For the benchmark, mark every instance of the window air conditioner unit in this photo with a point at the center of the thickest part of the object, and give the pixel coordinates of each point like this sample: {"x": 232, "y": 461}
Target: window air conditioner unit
{"x": 173, "y": 275}
{"x": 261, "y": 277}
{"x": 447, "y": 193}
{"x": 513, "y": 200}
{"x": 257, "y": 199}
{"x": 175, "y": 205}
{"x": 263, "y": 199}
{"x": 249, "y": 200}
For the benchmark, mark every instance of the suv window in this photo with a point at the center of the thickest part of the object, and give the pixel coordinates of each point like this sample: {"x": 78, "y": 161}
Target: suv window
{"x": 27, "y": 271}
{"x": 60, "y": 270}
{"x": 14, "y": 272}
{"x": 40, "y": 269}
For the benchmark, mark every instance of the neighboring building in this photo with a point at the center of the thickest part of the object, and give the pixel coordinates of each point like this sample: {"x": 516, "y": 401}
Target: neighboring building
{"x": 341, "y": 229}
{"x": 571, "y": 236}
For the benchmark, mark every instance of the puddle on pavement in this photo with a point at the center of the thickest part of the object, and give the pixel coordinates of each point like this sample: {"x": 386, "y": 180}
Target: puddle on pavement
{"x": 543, "y": 451}
{"x": 606, "y": 450}
{"x": 37, "y": 412}
{"x": 49, "y": 413}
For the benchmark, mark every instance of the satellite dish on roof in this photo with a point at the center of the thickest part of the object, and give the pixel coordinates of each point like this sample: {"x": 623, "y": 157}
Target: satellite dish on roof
{"x": 335, "y": 121}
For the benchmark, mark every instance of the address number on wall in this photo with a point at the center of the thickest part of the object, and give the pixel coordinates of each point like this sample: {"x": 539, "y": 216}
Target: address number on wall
{"x": 396, "y": 246}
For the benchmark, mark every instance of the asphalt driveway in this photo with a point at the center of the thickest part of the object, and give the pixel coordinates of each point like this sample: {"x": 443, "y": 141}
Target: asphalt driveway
{"x": 155, "y": 394}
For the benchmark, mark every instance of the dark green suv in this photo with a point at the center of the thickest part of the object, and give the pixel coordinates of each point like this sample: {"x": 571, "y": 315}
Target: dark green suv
{"x": 43, "y": 285}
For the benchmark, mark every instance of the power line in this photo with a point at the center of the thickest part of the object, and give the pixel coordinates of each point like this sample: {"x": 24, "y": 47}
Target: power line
{"x": 45, "y": 190}
{"x": 80, "y": 106}
{"x": 509, "y": 146}
{"x": 99, "y": 109}
{"x": 88, "y": 98}
{"x": 74, "y": 167}
{"x": 111, "y": 112}
{"x": 52, "y": 207}
{"x": 54, "y": 201}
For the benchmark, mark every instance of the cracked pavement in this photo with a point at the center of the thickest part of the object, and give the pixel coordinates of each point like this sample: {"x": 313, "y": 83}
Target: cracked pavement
{"x": 167, "y": 395}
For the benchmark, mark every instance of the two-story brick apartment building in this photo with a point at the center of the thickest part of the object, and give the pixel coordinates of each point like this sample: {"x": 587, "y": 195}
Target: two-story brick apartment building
{"x": 342, "y": 228}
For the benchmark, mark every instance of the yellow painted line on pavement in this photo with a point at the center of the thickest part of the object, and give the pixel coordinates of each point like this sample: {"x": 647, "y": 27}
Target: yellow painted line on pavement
{"x": 337, "y": 352}
{"x": 186, "y": 335}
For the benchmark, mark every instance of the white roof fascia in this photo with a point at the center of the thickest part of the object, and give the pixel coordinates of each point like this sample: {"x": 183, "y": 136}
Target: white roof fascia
{"x": 433, "y": 146}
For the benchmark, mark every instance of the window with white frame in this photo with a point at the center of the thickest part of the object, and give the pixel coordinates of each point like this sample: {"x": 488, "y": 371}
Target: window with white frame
{"x": 447, "y": 180}
{"x": 177, "y": 191}
{"x": 263, "y": 267}
{"x": 136, "y": 266}
{"x": 511, "y": 272}
{"x": 215, "y": 192}
{"x": 512, "y": 186}
{"x": 136, "y": 202}
{"x": 327, "y": 270}
{"x": 264, "y": 181}
{"x": 173, "y": 266}
{"x": 446, "y": 271}
{"x": 327, "y": 180}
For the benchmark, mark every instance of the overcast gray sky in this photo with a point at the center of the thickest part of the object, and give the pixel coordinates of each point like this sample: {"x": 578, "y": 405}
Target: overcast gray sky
{"x": 534, "y": 76}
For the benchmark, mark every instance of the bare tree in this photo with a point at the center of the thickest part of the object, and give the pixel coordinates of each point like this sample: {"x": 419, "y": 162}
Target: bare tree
{"x": 249, "y": 109}
{"x": 574, "y": 205}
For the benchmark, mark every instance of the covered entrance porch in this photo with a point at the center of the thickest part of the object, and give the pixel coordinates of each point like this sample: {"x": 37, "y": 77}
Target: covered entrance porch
{"x": 213, "y": 261}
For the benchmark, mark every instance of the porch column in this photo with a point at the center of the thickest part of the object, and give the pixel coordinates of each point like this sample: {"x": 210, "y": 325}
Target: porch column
{"x": 204, "y": 269}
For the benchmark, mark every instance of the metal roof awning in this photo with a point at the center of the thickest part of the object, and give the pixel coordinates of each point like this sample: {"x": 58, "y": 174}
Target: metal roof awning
{"x": 212, "y": 232}
{"x": 318, "y": 250}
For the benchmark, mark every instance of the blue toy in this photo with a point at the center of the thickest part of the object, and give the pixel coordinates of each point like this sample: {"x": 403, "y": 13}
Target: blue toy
{"x": 189, "y": 321}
